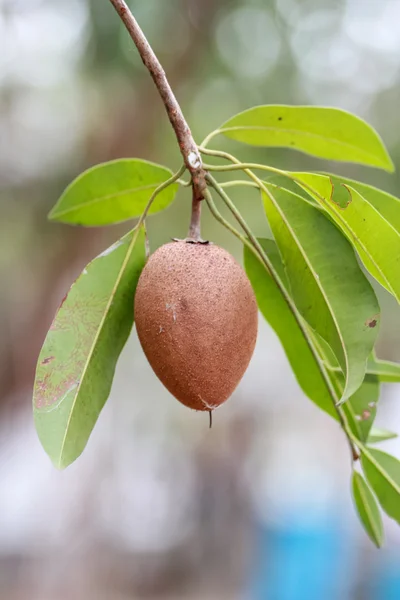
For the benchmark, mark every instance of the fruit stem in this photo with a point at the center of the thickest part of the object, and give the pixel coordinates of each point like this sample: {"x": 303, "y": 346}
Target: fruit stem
{"x": 194, "y": 233}
{"x": 187, "y": 145}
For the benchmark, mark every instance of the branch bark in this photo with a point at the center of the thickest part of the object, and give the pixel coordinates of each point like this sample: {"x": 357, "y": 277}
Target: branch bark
{"x": 187, "y": 145}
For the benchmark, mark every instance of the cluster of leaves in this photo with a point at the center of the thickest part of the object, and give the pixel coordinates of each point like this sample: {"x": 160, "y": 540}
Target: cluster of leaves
{"x": 308, "y": 280}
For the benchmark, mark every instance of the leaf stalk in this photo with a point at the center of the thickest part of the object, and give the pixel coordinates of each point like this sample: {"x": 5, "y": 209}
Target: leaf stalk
{"x": 263, "y": 257}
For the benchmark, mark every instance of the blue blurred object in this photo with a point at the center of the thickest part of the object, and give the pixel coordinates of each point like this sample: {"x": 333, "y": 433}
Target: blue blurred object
{"x": 304, "y": 560}
{"x": 387, "y": 582}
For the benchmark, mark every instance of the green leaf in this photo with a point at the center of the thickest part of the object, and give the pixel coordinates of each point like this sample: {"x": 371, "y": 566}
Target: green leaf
{"x": 383, "y": 474}
{"x": 329, "y": 289}
{"x": 327, "y": 354}
{"x": 367, "y": 509}
{"x": 277, "y": 313}
{"x": 360, "y": 409}
{"x": 386, "y": 204}
{"x": 380, "y": 435}
{"x": 328, "y": 133}
{"x": 113, "y": 192}
{"x": 387, "y": 371}
{"x": 77, "y": 362}
{"x": 376, "y": 240}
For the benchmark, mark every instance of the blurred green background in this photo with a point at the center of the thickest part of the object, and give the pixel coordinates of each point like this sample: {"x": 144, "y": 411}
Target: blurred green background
{"x": 158, "y": 506}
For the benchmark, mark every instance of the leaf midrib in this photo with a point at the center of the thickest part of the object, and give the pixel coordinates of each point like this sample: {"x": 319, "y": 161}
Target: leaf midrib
{"x": 382, "y": 471}
{"x": 362, "y": 245}
{"x": 317, "y": 279}
{"x": 393, "y": 369}
{"x": 370, "y": 371}
{"x": 93, "y": 346}
{"x": 375, "y": 529}
{"x": 352, "y": 233}
{"x": 104, "y": 199}
{"x": 302, "y": 133}
{"x": 347, "y": 407}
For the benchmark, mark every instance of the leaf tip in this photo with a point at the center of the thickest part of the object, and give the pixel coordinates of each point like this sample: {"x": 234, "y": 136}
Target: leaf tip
{"x": 60, "y": 463}
{"x": 52, "y": 215}
{"x": 385, "y": 161}
{"x": 390, "y": 165}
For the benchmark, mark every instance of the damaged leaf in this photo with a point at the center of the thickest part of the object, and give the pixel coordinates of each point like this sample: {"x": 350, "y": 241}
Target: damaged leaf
{"x": 77, "y": 362}
{"x": 365, "y": 222}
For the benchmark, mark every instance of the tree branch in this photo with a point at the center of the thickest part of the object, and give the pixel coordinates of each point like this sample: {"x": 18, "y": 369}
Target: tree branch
{"x": 187, "y": 145}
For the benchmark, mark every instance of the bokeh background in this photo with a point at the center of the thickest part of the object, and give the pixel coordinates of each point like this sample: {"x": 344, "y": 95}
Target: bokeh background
{"x": 158, "y": 506}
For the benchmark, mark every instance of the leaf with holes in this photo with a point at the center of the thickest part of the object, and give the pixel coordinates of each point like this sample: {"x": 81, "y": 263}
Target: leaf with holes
{"x": 328, "y": 287}
{"x": 376, "y": 239}
{"x": 383, "y": 474}
{"x": 77, "y": 362}
{"x": 380, "y": 435}
{"x": 386, "y": 204}
{"x": 277, "y": 313}
{"x": 367, "y": 509}
{"x": 113, "y": 192}
{"x": 328, "y": 133}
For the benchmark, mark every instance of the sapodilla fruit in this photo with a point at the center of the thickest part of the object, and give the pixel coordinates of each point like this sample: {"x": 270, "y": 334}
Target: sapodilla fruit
{"x": 196, "y": 318}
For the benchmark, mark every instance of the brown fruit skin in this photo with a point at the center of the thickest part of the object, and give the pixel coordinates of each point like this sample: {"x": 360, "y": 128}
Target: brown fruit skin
{"x": 196, "y": 317}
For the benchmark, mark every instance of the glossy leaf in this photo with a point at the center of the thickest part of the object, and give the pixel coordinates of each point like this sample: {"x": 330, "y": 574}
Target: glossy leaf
{"x": 367, "y": 509}
{"x": 376, "y": 240}
{"x": 77, "y": 362}
{"x": 277, "y": 313}
{"x": 329, "y": 289}
{"x": 383, "y": 474}
{"x": 380, "y": 435}
{"x": 328, "y": 133}
{"x": 113, "y": 192}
